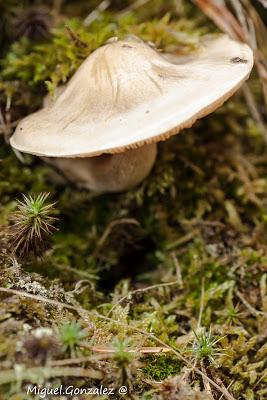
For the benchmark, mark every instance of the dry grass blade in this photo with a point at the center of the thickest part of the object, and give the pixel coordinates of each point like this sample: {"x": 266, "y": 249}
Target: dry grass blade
{"x": 248, "y": 27}
{"x": 222, "y": 17}
{"x": 252, "y": 105}
{"x": 141, "y": 350}
{"x": 36, "y": 372}
{"x": 263, "y": 2}
{"x": 260, "y": 32}
{"x": 134, "y": 6}
{"x": 96, "y": 12}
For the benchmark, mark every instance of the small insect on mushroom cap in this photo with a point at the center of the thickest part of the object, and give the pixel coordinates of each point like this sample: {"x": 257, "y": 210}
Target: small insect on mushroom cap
{"x": 126, "y": 94}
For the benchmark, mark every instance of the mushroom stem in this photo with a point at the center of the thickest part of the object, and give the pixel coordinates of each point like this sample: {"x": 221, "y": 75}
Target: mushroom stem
{"x": 109, "y": 172}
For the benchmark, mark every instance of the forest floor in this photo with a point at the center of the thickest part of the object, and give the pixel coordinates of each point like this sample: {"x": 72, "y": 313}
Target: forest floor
{"x": 162, "y": 289}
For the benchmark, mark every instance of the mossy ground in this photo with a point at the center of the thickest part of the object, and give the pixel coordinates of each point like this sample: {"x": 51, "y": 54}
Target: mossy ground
{"x": 180, "y": 260}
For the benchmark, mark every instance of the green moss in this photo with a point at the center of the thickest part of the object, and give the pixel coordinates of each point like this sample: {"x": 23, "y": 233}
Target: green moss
{"x": 161, "y": 367}
{"x": 24, "y": 60}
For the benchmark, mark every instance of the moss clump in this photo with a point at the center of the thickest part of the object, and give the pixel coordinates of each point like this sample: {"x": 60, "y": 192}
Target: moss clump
{"x": 161, "y": 367}
{"x": 71, "y": 42}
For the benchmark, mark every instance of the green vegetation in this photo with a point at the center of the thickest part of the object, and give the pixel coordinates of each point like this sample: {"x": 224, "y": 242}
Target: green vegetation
{"x": 184, "y": 252}
{"x": 204, "y": 346}
{"x": 70, "y": 335}
{"x": 32, "y": 224}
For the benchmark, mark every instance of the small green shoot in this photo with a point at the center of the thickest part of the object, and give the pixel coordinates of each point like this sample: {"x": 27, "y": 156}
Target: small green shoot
{"x": 204, "y": 347}
{"x": 71, "y": 335}
{"x": 233, "y": 314}
{"x": 122, "y": 356}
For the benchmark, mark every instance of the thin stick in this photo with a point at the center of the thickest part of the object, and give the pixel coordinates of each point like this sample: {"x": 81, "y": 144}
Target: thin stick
{"x": 178, "y": 270}
{"x": 202, "y": 299}
{"x": 207, "y": 384}
{"x": 96, "y": 12}
{"x": 78, "y": 272}
{"x": 251, "y": 309}
{"x": 186, "y": 238}
{"x": 141, "y": 350}
{"x": 228, "y": 387}
{"x": 254, "y": 110}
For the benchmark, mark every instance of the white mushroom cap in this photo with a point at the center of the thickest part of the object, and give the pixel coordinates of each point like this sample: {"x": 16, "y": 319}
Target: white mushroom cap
{"x": 126, "y": 94}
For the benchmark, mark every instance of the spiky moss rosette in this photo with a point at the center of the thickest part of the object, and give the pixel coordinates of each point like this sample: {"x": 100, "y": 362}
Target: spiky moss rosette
{"x": 32, "y": 224}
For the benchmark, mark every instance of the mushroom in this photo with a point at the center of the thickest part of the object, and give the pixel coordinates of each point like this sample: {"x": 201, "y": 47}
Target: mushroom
{"x": 102, "y": 129}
